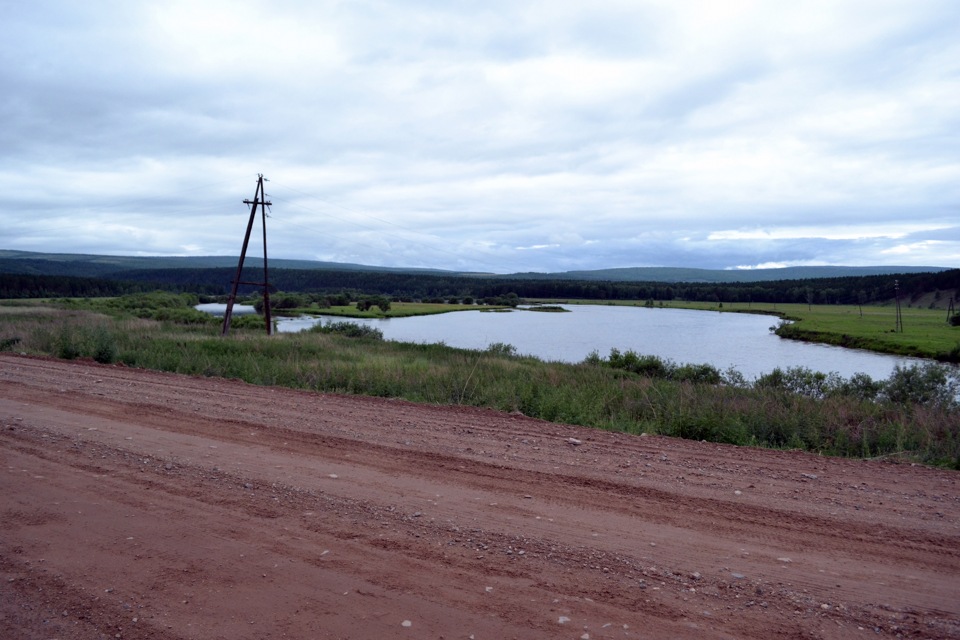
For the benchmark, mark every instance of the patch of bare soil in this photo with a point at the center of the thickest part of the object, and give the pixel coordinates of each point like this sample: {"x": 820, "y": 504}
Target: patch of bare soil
{"x": 136, "y": 504}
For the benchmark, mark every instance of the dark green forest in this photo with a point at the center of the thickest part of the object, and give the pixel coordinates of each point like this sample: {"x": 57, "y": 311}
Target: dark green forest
{"x": 875, "y": 289}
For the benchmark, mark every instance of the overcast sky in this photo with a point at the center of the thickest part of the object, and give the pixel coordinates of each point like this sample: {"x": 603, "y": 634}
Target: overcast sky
{"x": 487, "y": 136}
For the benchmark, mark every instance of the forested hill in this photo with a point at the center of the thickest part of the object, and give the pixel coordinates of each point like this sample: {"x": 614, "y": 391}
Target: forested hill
{"x": 95, "y": 266}
{"x": 939, "y": 287}
{"x": 114, "y": 267}
{"x": 842, "y": 290}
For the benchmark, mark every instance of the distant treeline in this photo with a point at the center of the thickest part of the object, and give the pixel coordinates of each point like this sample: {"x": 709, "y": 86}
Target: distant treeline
{"x": 15, "y": 285}
{"x": 411, "y": 286}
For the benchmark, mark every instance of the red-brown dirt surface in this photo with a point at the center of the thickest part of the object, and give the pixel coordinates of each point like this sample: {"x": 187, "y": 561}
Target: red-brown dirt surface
{"x": 136, "y": 504}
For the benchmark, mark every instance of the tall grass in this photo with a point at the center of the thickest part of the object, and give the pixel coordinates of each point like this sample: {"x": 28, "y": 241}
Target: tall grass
{"x": 789, "y": 409}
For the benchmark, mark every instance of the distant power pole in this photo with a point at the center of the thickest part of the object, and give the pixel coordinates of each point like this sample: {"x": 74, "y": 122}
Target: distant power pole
{"x": 899, "y": 326}
{"x": 259, "y": 199}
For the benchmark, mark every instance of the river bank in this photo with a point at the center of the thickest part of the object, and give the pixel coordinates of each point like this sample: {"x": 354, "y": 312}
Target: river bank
{"x": 925, "y": 332}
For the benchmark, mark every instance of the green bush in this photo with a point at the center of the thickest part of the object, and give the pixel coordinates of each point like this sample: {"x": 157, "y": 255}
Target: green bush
{"x": 801, "y": 381}
{"x": 502, "y": 349}
{"x": 288, "y": 301}
{"x": 104, "y": 346}
{"x": 68, "y": 344}
{"x": 348, "y": 329}
{"x": 644, "y": 365}
{"x": 697, "y": 373}
{"x": 178, "y": 315}
{"x": 153, "y": 301}
{"x": 924, "y": 384}
{"x": 860, "y": 386}
{"x": 85, "y": 341}
{"x": 245, "y": 321}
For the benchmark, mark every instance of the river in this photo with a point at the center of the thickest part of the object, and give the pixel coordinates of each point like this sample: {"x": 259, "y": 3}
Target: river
{"x": 738, "y": 340}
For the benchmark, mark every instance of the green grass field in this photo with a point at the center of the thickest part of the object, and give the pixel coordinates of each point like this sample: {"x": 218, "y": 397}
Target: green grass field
{"x": 925, "y": 332}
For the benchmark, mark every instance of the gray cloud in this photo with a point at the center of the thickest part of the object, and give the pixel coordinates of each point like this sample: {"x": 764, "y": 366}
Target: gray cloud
{"x": 495, "y": 137}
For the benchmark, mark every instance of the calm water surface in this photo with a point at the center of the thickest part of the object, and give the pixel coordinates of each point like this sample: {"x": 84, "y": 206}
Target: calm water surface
{"x": 218, "y": 309}
{"x": 742, "y": 341}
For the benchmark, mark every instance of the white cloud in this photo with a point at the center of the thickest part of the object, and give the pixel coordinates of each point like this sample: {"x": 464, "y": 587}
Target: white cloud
{"x": 887, "y": 230}
{"x": 762, "y": 265}
{"x": 925, "y": 248}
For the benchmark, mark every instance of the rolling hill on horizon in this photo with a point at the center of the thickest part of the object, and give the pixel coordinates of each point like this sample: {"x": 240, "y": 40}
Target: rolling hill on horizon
{"x": 684, "y": 274}
{"x": 113, "y": 267}
{"x": 100, "y": 266}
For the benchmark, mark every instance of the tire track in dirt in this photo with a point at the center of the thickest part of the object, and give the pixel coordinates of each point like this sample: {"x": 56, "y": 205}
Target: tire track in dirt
{"x": 761, "y": 524}
{"x": 432, "y": 505}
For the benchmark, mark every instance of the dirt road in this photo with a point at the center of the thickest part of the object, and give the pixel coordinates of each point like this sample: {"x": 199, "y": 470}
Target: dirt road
{"x": 136, "y": 504}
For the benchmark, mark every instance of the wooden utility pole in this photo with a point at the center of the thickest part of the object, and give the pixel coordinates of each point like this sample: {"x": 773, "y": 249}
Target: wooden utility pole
{"x": 899, "y": 325}
{"x": 259, "y": 199}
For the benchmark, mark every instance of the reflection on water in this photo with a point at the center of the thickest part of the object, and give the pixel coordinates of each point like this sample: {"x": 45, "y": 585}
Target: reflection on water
{"x": 738, "y": 340}
{"x": 218, "y": 309}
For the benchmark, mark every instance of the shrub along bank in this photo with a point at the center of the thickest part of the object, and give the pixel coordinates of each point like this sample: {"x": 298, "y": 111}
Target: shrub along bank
{"x": 913, "y": 415}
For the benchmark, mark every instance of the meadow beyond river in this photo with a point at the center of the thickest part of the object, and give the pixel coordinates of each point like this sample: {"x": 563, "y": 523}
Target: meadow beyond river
{"x": 739, "y": 340}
